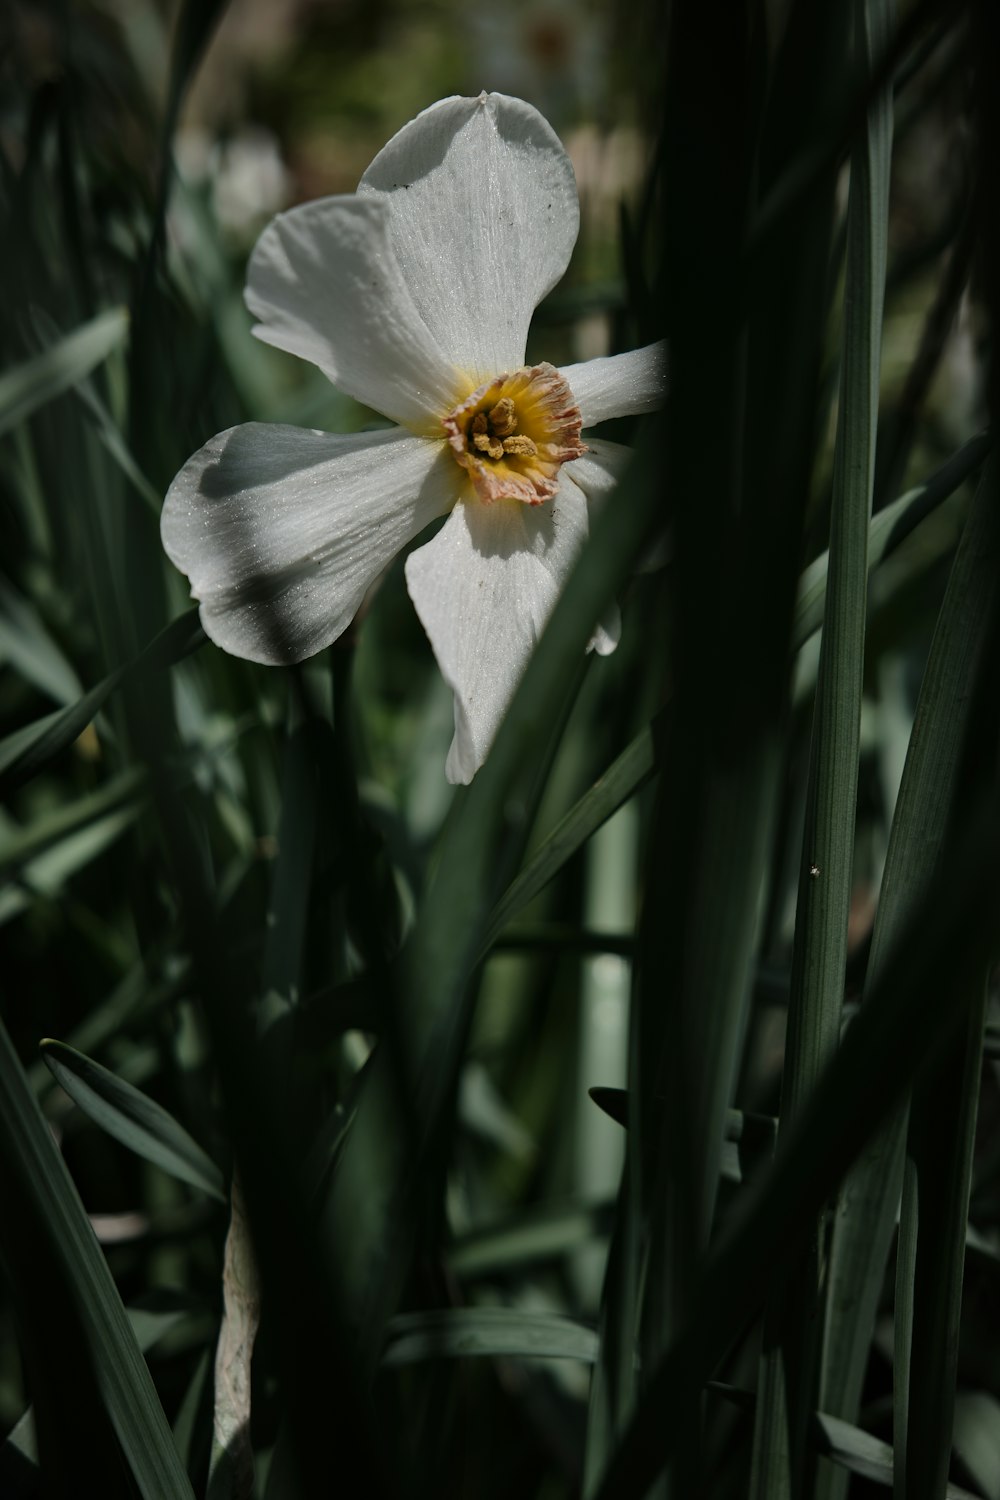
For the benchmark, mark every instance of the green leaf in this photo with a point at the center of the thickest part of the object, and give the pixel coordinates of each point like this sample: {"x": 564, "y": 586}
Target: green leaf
{"x": 501, "y": 1332}
{"x": 105, "y": 426}
{"x": 638, "y": 762}
{"x": 142, "y": 1125}
{"x": 925, "y": 811}
{"x": 622, "y": 780}
{"x": 27, "y": 646}
{"x": 789, "y": 1358}
{"x": 148, "y": 1325}
{"x": 860, "y": 1453}
{"x": 949, "y": 934}
{"x": 940, "y": 1141}
{"x": 25, "y": 752}
{"x": 47, "y": 873}
{"x": 532, "y": 1239}
{"x": 888, "y": 530}
{"x": 851, "y": 1447}
{"x": 291, "y": 880}
{"x": 977, "y": 1439}
{"x": 19, "y": 847}
{"x": 40, "y": 379}
{"x": 122, "y": 1377}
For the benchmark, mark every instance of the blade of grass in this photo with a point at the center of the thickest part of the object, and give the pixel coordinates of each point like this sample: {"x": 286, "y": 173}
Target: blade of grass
{"x": 534, "y": 1239}
{"x": 120, "y": 1371}
{"x": 29, "y": 386}
{"x": 148, "y": 1328}
{"x": 25, "y": 752}
{"x": 622, "y": 780}
{"x": 745, "y": 360}
{"x": 853, "y": 1449}
{"x": 786, "y": 1391}
{"x": 23, "y": 845}
{"x": 951, "y": 931}
{"x": 888, "y": 529}
{"x": 47, "y": 873}
{"x": 858, "y": 1452}
{"x": 502, "y": 1332}
{"x": 637, "y": 763}
{"x": 27, "y": 646}
{"x": 131, "y": 1117}
{"x": 902, "y": 1322}
{"x": 941, "y": 1140}
{"x": 925, "y": 808}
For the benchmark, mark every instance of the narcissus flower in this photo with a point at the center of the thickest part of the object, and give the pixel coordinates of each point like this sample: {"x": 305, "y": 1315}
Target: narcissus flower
{"x": 414, "y": 296}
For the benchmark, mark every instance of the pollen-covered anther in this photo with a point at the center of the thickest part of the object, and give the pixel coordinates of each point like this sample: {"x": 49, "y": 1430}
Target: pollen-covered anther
{"x": 503, "y": 418}
{"x": 483, "y": 438}
{"x": 515, "y": 432}
{"x": 521, "y": 445}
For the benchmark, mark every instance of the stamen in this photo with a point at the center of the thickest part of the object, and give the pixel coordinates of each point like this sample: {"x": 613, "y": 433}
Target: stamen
{"x": 514, "y": 433}
{"x": 503, "y": 418}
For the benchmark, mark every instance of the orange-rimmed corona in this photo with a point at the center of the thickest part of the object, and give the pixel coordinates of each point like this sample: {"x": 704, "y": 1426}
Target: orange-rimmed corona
{"x": 514, "y": 433}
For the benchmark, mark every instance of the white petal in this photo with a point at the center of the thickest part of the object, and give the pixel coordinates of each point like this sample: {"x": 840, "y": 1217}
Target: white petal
{"x": 324, "y": 282}
{"x": 281, "y": 531}
{"x": 607, "y": 635}
{"x": 622, "y": 385}
{"x": 484, "y": 216}
{"x": 484, "y": 587}
{"x": 599, "y": 470}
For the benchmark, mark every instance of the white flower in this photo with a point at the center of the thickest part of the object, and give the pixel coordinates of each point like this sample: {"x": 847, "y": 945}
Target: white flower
{"x": 414, "y": 296}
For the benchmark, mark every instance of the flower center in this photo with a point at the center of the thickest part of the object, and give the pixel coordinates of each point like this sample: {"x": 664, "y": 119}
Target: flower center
{"x": 492, "y": 432}
{"x": 514, "y": 433}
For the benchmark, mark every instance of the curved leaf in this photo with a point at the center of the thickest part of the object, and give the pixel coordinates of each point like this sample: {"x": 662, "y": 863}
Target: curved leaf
{"x": 458, "y": 1332}
{"x": 133, "y": 1118}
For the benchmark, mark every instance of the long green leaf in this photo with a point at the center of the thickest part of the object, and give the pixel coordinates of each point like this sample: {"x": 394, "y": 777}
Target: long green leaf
{"x": 502, "y": 1332}
{"x": 850, "y": 1447}
{"x": 789, "y": 1356}
{"x": 25, "y": 752}
{"x": 622, "y": 780}
{"x": 951, "y": 931}
{"x": 859, "y": 1453}
{"x": 941, "y": 1141}
{"x": 530, "y": 1240}
{"x": 888, "y": 530}
{"x": 866, "y": 1216}
{"x": 27, "y": 646}
{"x": 129, "y": 1115}
{"x": 43, "y": 377}
{"x": 148, "y": 1327}
{"x": 120, "y": 1370}
{"x": 637, "y": 762}
{"x": 23, "y": 845}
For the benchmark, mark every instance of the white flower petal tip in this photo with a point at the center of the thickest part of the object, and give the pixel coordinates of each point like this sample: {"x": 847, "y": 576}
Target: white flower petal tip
{"x": 623, "y": 385}
{"x": 282, "y": 531}
{"x": 607, "y": 635}
{"x": 484, "y": 587}
{"x": 514, "y": 433}
{"x": 483, "y": 219}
